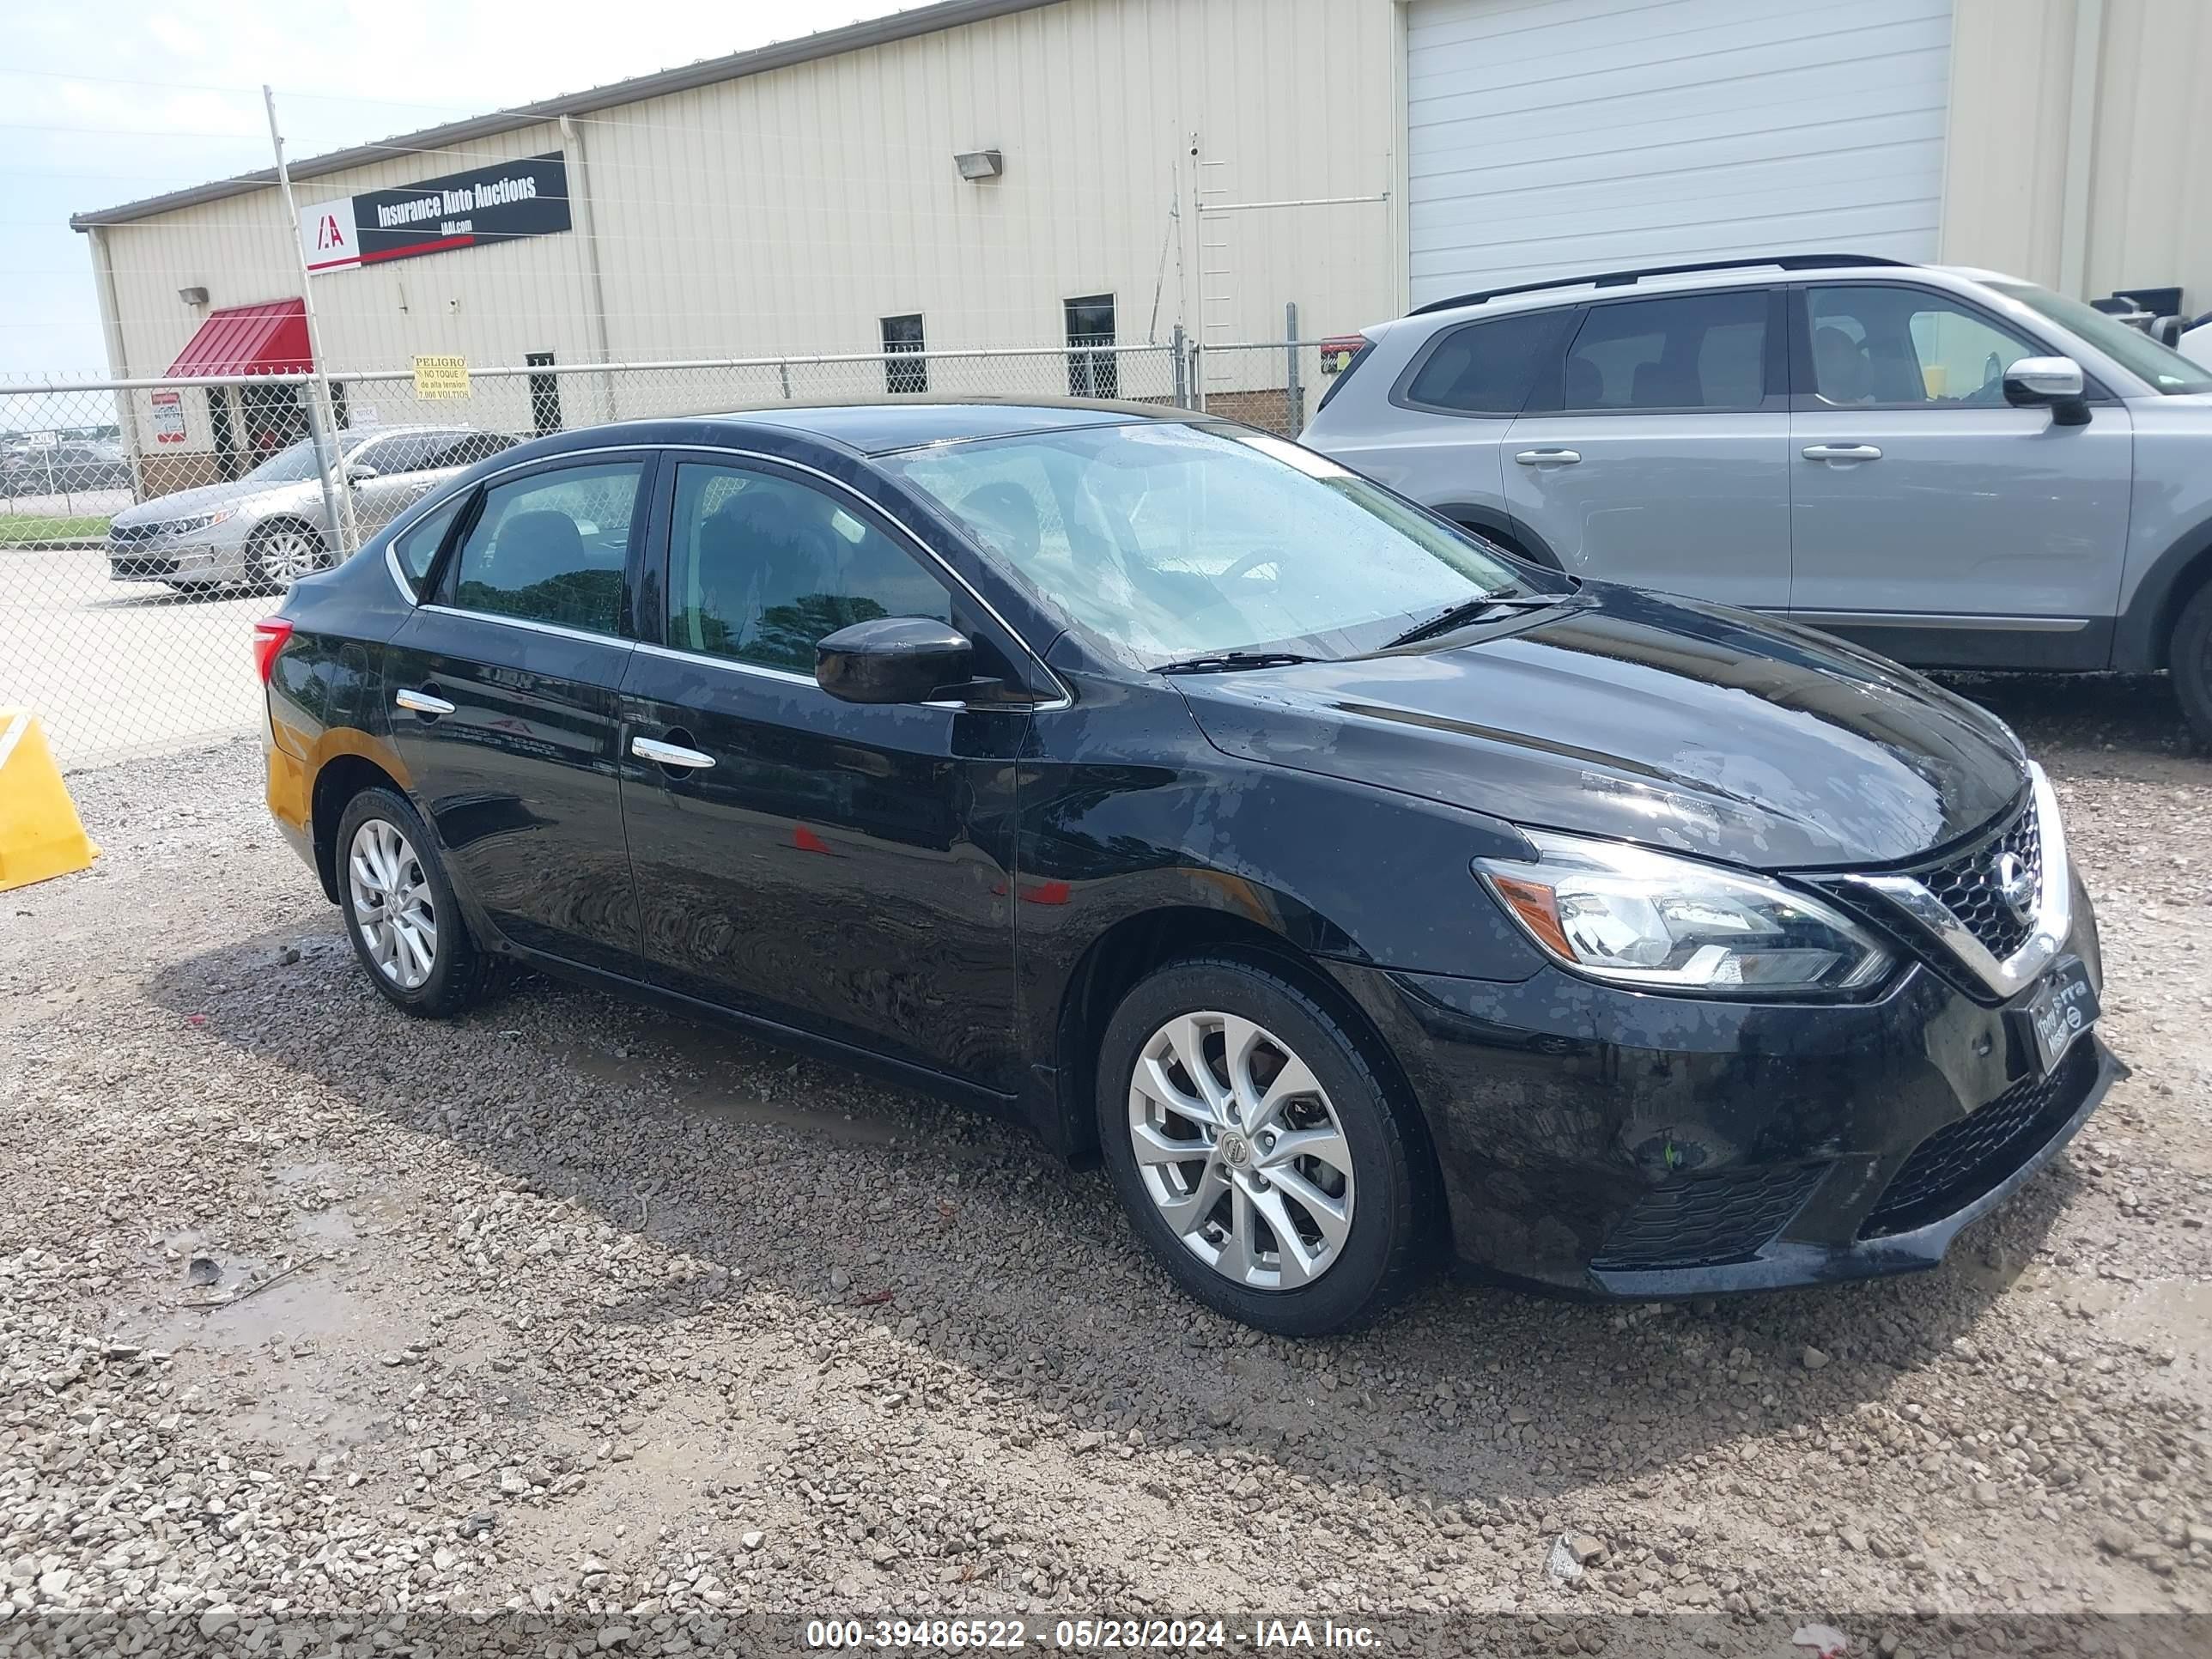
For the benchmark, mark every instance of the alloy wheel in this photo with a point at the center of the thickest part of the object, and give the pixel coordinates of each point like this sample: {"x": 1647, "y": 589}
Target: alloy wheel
{"x": 1240, "y": 1151}
{"x": 392, "y": 903}
{"x": 285, "y": 555}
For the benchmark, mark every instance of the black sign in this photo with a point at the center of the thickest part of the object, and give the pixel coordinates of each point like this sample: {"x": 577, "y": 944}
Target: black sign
{"x": 502, "y": 202}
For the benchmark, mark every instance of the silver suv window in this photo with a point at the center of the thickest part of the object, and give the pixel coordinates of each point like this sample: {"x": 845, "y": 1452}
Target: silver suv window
{"x": 2162, "y": 367}
{"x": 1686, "y": 351}
{"x": 1879, "y": 345}
{"x": 1487, "y": 368}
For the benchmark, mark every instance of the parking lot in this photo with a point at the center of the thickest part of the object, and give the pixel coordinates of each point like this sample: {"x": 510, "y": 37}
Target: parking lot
{"x": 118, "y": 668}
{"x": 600, "y": 1315}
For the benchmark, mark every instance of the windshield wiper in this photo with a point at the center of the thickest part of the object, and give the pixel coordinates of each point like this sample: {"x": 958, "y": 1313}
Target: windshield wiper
{"x": 1230, "y": 662}
{"x": 1474, "y": 610}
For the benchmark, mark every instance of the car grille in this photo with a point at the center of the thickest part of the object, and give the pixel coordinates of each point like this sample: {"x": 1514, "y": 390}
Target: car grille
{"x": 1967, "y": 887}
{"x": 1702, "y": 1221}
{"x": 1963, "y": 1160}
{"x": 153, "y": 566}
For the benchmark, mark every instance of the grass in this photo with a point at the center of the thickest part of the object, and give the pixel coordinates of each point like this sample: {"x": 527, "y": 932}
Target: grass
{"x": 24, "y": 530}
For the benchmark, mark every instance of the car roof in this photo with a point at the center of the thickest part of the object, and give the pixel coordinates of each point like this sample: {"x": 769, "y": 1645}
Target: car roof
{"x": 879, "y": 426}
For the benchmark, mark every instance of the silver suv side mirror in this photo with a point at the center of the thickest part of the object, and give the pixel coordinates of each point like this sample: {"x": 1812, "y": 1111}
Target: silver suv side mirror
{"x": 2054, "y": 383}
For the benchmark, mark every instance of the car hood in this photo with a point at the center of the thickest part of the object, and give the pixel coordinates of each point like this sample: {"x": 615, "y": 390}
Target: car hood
{"x": 1669, "y": 723}
{"x": 207, "y": 498}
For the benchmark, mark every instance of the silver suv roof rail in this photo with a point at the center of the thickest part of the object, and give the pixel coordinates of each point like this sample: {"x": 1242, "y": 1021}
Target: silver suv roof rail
{"x": 1624, "y": 278}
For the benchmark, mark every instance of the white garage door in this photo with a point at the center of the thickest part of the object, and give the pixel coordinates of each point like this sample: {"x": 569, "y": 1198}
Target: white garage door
{"x": 1554, "y": 136}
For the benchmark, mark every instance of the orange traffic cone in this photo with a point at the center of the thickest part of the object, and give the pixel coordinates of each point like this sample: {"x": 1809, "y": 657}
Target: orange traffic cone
{"x": 40, "y": 835}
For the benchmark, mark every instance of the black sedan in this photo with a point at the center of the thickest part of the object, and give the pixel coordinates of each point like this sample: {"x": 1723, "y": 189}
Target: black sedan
{"x": 1362, "y": 896}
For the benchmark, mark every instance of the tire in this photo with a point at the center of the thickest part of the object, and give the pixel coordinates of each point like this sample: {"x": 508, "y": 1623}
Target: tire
{"x": 2189, "y": 661}
{"x": 396, "y": 854}
{"x": 284, "y": 551}
{"x": 1390, "y": 1203}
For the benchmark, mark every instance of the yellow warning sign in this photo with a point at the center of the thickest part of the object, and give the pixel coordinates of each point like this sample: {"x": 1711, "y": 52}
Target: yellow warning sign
{"x": 441, "y": 377}
{"x": 39, "y": 834}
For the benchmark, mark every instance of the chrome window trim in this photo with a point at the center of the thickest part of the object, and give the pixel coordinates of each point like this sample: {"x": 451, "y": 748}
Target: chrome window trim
{"x": 1065, "y": 699}
{"x": 2054, "y": 912}
{"x": 788, "y": 677}
{"x": 530, "y": 623}
{"x": 399, "y": 572}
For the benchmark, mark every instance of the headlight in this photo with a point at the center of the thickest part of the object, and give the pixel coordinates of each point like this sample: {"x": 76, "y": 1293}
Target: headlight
{"x": 1640, "y": 918}
{"x": 198, "y": 522}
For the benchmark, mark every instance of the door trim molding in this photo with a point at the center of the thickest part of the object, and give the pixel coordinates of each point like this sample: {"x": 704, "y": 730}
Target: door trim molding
{"x": 1934, "y": 619}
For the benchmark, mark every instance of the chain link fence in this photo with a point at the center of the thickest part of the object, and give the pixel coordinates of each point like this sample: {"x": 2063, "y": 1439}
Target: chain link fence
{"x": 144, "y": 524}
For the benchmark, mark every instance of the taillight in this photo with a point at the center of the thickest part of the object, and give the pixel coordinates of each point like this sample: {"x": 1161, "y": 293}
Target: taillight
{"x": 268, "y": 636}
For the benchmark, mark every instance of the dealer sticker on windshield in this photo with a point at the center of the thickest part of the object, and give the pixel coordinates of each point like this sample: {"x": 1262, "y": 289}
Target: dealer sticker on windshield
{"x": 2064, "y": 1005}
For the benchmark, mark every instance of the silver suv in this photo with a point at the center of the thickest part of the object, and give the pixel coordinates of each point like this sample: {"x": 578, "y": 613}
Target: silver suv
{"x": 1958, "y": 469}
{"x": 269, "y": 527}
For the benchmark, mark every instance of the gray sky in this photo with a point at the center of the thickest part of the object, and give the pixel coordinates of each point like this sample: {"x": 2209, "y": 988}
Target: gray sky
{"x": 108, "y": 103}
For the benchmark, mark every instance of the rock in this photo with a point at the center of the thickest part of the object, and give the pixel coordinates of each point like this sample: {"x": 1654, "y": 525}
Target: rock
{"x": 752, "y": 1541}
{"x": 1089, "y": 1440}
{"x": 444, "y": 1560}
{"x": 53, "y": 1586}
{"x": 1854, "y": 1539}
{"x": 2114, "y": 1539}
{"x": 840, "y": 1281}
{"x": 1562, "y": 1566}
{"x": 216, "y": 1620}
{"x": 1987, "y": 1494}
{"x": 1588, "y": 1551}
{"x": 1813, "y": 1359}
{"x": 482, "y": 1521}
{"x": 615, "y": 1635}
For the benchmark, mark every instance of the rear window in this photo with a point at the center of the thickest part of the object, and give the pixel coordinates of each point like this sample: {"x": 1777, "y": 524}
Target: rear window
{"x": 1487, "y": 368}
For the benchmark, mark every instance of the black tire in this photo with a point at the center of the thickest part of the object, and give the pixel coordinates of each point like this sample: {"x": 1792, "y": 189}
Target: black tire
{"x": 262, "y": 547}
{"x": 2189, "y": 661}
{"x": 462, "y": 973}
{"x": 1396, "y": 1206}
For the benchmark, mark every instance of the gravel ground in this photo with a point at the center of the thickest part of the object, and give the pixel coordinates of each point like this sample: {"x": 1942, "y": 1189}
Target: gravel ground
{"x": 634, "y": 1326}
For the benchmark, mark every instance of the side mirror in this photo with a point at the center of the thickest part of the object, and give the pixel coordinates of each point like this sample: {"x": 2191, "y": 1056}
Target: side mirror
{"x": 893, "y": 659}
{"x": 361, "y": 472}
{"x": 2054, "y": 383}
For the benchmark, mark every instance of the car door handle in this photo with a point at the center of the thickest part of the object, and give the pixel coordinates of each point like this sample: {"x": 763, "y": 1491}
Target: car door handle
{"x": 1548, "y": 456}
{"x": 669, "y": 754}
{"x": 1842, "y": 452}
{"x": 422, "y": 702}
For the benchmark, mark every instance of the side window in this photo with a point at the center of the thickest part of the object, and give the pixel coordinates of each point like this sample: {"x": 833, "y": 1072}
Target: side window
{"x": 550, "y": 547}
{"x": 417, "y": 547}
{"x": 1877, "y": 345}
{"x": 464, "y": 449}
{"x": 760, "y": 567}
{"x": 1487, "y": 369}
{"x": 401, "y": 453}
{"x": 1692, "y": 351}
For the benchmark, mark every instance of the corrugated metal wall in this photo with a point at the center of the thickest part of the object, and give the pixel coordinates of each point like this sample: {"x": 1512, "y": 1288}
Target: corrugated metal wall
{"x": 792, "y": 210}
{"x": 2144, "y": 213}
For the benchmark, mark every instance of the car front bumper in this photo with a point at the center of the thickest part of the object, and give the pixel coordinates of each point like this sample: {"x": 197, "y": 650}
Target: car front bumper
{"x": 1614, "y": 1143}
{"x": 206, "y": 555}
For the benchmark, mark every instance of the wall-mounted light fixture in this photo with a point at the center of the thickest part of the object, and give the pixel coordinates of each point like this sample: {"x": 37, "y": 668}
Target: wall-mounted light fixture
{"x": 978, "y": 164}
{"x": 192, "y": 296}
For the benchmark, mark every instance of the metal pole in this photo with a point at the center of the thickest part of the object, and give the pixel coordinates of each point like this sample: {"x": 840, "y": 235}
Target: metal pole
{"x": 1182, "y": 371}
{"x": 323, "y": 419}
{"x": 1293, "y": 393}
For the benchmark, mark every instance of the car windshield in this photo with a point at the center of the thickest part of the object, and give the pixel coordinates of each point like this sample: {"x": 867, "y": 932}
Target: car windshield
{"x": 2133, "y": 350}
{"x": 1168, "y": 541}
{"x": 291, "y": 465}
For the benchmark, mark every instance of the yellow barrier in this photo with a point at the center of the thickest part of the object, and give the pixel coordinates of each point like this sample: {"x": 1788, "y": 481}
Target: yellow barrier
{"x": 40, "y": 835}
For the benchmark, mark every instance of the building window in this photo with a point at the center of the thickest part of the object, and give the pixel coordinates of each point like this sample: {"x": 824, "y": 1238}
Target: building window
{"x": 902, "y": 338}
{"x": 545, "y": 393}
{"x": 1092, "y": 370}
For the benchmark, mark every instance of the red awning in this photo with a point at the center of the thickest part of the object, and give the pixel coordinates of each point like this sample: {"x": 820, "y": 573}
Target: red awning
{"x": 263, "y": 339}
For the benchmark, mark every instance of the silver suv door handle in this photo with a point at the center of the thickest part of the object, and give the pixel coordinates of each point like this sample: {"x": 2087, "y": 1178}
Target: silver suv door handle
{"x": 421, "y": 702}
{"x": 669, "y": 754}
{"x": 1842, "y": 452}
{"x": 1548, "y": 456}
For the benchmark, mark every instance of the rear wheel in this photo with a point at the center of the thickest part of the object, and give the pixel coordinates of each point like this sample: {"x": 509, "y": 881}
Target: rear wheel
{"x": 282, "y": 552}
{"x": 2189, "y": 660}
{"x": 1263, "y": 1158}
{"x": 405, "y": 925}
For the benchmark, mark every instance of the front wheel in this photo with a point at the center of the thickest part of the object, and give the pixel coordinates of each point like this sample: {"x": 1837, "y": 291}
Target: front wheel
{"x": 282, "y": 552}
{"x": 405, "y": 925}
{"x": 1266, "y": 1162}
{"x": 2189, "y": 660}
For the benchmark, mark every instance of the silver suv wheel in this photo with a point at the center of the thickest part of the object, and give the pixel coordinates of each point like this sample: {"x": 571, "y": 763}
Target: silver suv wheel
{"x": 1240, "y": 1151}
